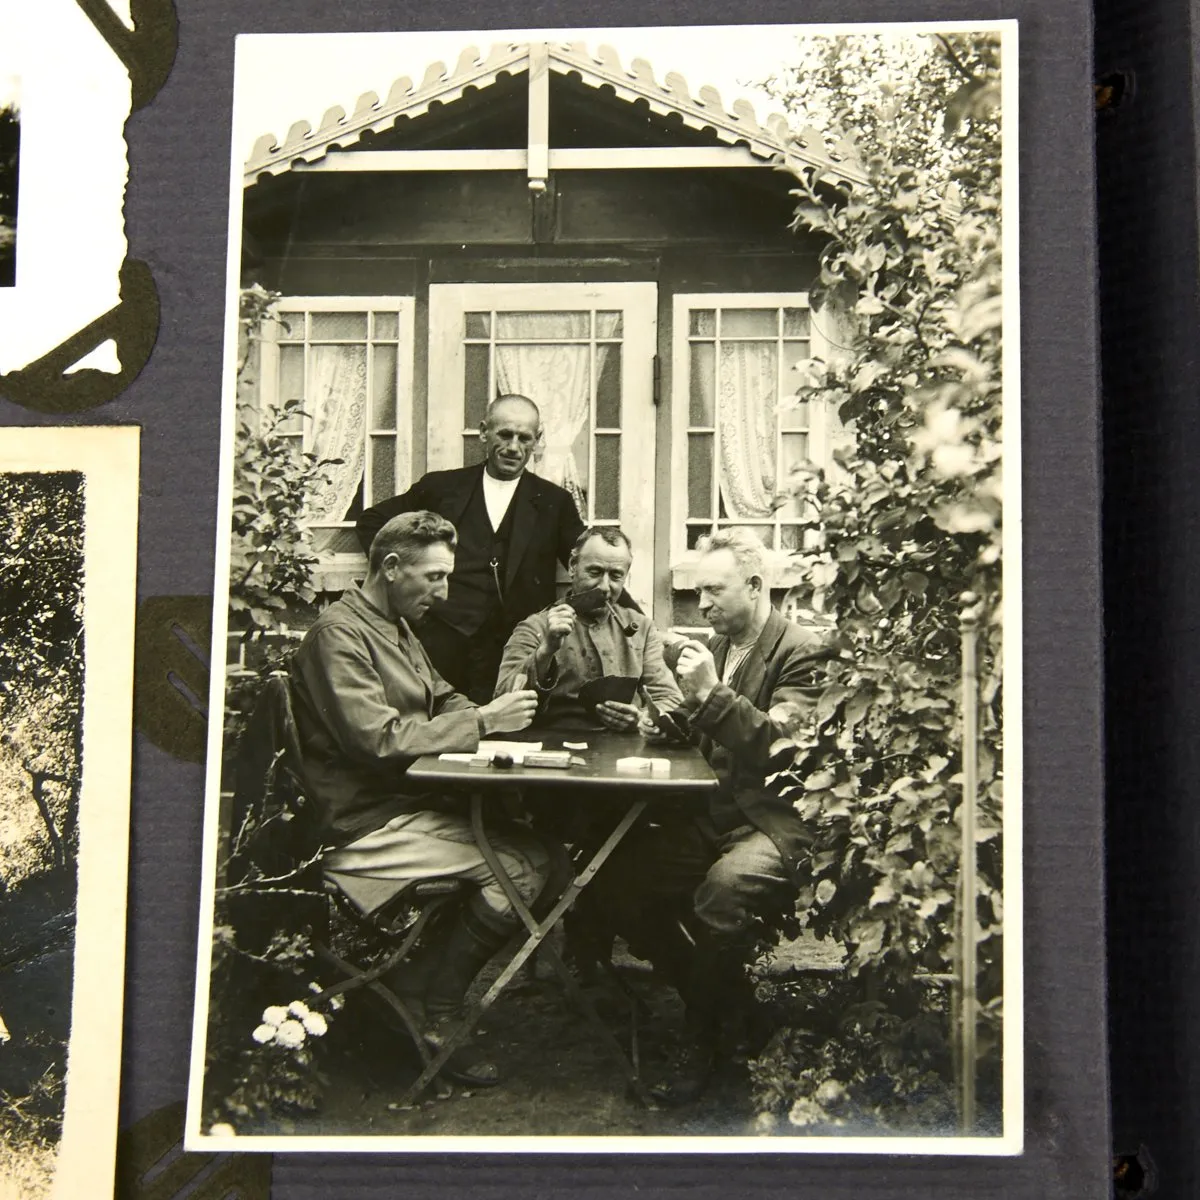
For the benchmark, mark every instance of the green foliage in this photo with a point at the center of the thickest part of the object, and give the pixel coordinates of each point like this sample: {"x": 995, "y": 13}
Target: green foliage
{"x": 271, "y": 562}
{"x": 41, "y": 655}
{"x": 911, "y": 281}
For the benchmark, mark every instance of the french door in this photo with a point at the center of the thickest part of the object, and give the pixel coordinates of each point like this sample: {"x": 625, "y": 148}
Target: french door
{"x": 584, "y": 353}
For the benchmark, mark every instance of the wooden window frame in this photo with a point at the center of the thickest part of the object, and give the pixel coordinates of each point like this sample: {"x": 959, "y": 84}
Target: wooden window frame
{"x": 781, "y": 572}
{"x": 334, "y": 570}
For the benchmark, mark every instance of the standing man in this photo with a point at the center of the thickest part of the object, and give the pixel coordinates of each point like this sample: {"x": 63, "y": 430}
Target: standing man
{"x": 513, "y": 528}
{"x": 367, "y": 705}
{"x": 687, "y": 892}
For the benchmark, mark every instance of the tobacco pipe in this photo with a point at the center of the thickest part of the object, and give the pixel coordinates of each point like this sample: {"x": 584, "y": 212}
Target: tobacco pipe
{"x": 628, "y": 630}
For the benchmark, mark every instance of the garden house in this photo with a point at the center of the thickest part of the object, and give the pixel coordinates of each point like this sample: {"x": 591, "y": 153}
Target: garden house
{"x": 546, "y": 220}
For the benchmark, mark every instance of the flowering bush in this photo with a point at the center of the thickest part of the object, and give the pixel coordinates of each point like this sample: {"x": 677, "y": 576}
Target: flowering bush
{"x": 909, "y": 524}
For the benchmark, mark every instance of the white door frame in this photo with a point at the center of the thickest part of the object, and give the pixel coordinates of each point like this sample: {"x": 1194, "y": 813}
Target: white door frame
{"x": 639, "y": 304}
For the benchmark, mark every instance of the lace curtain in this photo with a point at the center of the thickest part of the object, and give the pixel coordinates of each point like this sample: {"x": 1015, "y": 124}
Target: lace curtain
{"x": 745, "y": 417}
{"x": 557, "y": 379}
{"x": 337, "y": 406}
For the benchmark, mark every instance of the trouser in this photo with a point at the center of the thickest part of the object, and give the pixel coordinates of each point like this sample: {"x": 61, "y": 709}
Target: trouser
{"x": 688, "y": 901}
{"x": 439, "y": 845}
{"x": 470, "y": 663}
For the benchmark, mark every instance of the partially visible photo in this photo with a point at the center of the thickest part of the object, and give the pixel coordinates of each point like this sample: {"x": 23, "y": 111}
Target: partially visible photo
{"x": 41, "y": 735}
{"x": 68, "y": 542}
{"x": 10, "y": 150}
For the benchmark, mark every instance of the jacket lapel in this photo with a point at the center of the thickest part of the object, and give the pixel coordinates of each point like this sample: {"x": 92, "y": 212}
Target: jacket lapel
{"x": 457, "y": 499}
{"x": 753, "y": 672}
{"x": 524, "y": 522}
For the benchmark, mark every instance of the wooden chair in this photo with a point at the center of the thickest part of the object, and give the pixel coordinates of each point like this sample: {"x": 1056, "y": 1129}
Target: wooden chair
{"x": 274, "y": 845}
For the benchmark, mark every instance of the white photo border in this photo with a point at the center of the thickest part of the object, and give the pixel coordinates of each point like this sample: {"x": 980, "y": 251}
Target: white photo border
{"x": 108, "y": 458}
{"x": 1011, "y": 1141}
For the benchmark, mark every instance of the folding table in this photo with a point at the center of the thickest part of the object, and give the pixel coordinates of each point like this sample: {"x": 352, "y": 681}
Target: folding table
{"x": 690, "y": 778}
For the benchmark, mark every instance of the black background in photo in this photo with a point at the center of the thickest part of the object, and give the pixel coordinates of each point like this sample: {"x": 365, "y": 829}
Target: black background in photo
{"x": 10, "y": 147}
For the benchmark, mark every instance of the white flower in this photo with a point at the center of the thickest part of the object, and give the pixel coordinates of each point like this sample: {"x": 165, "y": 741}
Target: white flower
{"x": 290, "y": 1034}
{"x": 315, "y": 1024}
{"x": 298, "y": 1009}
{"x": 315, "y": 987}
{"x": 222, "y": 1129}
{"x": 275, "y": 1015}
{"x": 264, "y": 1033}
{"x": 336, "y": 1003}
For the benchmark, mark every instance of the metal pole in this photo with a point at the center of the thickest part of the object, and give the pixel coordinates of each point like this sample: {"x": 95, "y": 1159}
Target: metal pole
{"x": 967, "y": 928}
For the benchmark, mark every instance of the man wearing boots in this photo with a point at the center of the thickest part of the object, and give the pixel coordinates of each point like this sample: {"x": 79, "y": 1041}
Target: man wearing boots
{"x": 688, "y": 892}
{"x": 367, "y": 704}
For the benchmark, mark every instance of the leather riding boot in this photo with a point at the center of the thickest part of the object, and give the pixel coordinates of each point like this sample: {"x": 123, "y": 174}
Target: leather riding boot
{"x": 459, "y": 958}
{"x": 715, "y": 992}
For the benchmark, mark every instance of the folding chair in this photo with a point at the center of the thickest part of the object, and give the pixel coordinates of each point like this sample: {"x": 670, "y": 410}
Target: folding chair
{"x": 273, "y": 833}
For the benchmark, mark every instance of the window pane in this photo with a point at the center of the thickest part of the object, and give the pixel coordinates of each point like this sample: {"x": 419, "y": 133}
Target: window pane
{"x": 764, "y": 533}
{"x": 702, "y": 383}
{"x": 699, "y": 480}
{"x": 791, "y": 537}
{"x": 609, "y": 324}
{"x": 291, "y": 383}
{"x": 472, "y": 451}
{"x": 339, "y": 326}
{"x": 542, "y": 326}
{"x": 383, "y": 468}
{"x": 795, "y": 322}
{"x": 606, "y": 504}
{"x": 685, "y": 609}
{"x": 386, "y": 326}
{"x": 336, "y": 541}
{"x": 794, "y": 455}
{"x": 793, "y": 413}
{"x": 608, "y": 387}
{"x": 696, "y": 532}
{"x": 702, "y": 322}
{"x": 749, "y": 322}
{"x": 383, "y": 385}
{"x": 477, "y": 391}
{"x": 477, "y": 325}
{"x": 794, "y": 354}
{"x": 291, "y": 327}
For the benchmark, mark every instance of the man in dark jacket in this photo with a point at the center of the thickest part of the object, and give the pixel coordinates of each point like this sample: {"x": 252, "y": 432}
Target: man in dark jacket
{"x": 513, "y": 529}
{"x": 687, "y": 891}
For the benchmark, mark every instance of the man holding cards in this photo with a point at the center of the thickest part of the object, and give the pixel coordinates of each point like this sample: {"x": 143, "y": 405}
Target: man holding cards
{"x": 588, "y": 656}
{"x": 688, "y": 892}
{"x": 367, "y": 704}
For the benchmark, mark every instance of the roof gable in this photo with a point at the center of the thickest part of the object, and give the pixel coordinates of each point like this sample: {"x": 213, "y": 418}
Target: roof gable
{"x": 771, "y": 140}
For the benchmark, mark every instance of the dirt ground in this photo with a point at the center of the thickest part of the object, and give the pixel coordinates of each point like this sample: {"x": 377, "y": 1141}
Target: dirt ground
{"x": 559, "y": 1076}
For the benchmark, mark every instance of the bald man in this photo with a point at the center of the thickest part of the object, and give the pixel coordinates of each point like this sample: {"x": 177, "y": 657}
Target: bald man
{"x": 513, "y": 528}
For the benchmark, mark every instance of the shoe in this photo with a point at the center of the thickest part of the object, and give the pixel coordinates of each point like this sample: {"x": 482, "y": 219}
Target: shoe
{"x": 688, "y": 1073}
{"x": 466, "y": 1064}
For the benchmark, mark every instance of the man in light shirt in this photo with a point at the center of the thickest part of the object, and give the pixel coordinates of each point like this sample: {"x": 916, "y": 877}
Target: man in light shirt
{"x": 513, "y": 529}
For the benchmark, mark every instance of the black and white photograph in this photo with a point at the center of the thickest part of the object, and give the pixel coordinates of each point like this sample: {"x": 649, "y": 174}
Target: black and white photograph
{"x": 68, "y": 532}
{"x": 617, "y": 742}
{"x": 10, "y": 149}
{"x": 61, "y": 244}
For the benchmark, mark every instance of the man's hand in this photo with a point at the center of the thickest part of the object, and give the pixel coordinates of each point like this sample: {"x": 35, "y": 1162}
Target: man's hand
{"x": 615, "y": 715}
{"x": 509, "y": 712}
{"x": 697, "y": 673}
{"x": 648, "y": 728}
{"x": 560, "y": 621}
